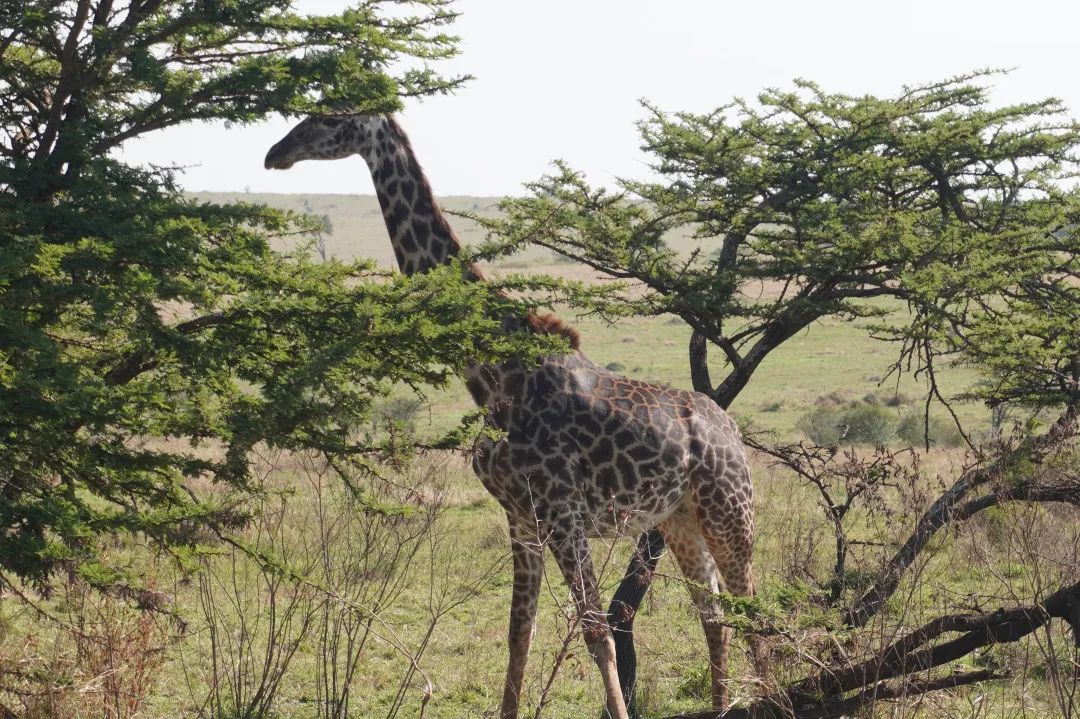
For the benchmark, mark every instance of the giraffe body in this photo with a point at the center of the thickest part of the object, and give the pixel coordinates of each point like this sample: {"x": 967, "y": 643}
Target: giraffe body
{"x": 631, "y": 452}
{"x": 587, "y": 452}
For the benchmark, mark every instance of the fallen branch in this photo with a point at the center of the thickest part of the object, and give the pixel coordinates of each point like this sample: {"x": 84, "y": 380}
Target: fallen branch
{"x": 833, "y": 708}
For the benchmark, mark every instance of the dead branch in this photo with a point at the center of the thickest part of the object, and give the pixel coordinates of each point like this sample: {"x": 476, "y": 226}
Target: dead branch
{"x": 912, "y": 665}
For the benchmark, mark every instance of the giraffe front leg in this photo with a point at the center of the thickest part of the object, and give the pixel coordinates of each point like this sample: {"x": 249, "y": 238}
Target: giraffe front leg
{"x": 571, "y": 550}
{"x": 528, "y": 571}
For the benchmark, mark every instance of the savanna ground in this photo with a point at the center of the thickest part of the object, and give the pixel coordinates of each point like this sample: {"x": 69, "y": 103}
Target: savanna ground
{"x": 421, "y": 600}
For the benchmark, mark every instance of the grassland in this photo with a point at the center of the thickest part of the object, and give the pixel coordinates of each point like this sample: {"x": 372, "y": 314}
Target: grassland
{"x": 460, "y": 571}
{"x": 467, "y": 560}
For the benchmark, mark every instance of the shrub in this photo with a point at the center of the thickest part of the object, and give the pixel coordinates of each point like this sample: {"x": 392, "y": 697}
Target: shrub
{"x": 833, "y": 399}
{"x": 821, "y": 425}
{"x": 866, "y": 423}
{"x": 869, "y": 424}
{"x": 102, "y": 660}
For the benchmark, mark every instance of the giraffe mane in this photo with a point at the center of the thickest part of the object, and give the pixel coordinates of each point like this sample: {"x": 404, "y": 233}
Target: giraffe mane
{"x": 549, "y": 324}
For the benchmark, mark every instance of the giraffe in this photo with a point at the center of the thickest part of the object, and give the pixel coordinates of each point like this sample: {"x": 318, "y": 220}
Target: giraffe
{"x": 586, "y": 452}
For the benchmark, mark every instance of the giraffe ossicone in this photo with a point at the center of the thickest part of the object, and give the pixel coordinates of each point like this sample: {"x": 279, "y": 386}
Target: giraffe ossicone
{"x": 586, "y": 452}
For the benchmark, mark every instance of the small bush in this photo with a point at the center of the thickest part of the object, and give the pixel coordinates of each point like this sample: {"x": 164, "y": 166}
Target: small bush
{"x": 615, "y": 367}
{"x": 911, "y": 428}
{"x": 945, "y": 432}
{"x": 870, "y": 424}
{"x": 821, "y": 425}
{"x": 866, "y": 424}
{"x": 833, "y": 399}
{"x": 103, "y": 660}
{"x": 896, "y": 400}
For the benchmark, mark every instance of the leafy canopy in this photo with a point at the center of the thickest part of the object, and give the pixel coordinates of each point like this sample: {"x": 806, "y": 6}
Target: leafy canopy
{"x": 806, "y": 204}
{"x": 146, "y": 340}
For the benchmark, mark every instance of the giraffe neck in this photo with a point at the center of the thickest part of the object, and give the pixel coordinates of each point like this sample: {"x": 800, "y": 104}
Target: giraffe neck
{"x": 419, "y": 232}
{"x": 423, "y": 239}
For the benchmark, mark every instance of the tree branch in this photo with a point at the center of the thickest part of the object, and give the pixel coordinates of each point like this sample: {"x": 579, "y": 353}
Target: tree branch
{"x": 142, "y": 361}
{"x": 68, "y": 81}
{"x": 945, "y": 510}
{"x": 821, "y": 695}
{"x": 699, "y": 363}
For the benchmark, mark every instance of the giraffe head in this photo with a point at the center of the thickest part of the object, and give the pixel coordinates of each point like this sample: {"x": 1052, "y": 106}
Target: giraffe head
{"x": 329, "y": 137}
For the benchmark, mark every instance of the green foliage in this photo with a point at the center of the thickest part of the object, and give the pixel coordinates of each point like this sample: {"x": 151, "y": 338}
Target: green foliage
{"x": 821, "y": 425}
{"x": 790, "y": 595}
{"x": 696, "y": 683}
{"x": 871, "y": 424}
{"x": 867, "y": 422}
{"x": 807, "y": 203}
{"x": 147, "y": 341}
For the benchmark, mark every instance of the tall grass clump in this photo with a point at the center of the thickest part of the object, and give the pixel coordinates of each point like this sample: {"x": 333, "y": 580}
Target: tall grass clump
{"x": 91, "y": 655}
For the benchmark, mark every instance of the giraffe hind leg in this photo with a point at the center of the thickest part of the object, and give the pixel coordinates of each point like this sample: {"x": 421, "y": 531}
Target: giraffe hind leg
{"x": 704, "y": 581}
{"x": 728, "y": 531}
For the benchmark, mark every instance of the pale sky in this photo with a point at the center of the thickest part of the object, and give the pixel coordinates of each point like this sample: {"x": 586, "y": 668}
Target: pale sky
{"x": 562, "y": 79}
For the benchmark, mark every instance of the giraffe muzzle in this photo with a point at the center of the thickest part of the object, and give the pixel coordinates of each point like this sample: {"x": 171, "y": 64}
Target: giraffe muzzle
{"x": 276, "y": 159}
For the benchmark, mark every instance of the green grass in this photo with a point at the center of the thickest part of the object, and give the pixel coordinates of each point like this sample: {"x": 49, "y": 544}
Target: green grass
{"x": 466, "y": 657}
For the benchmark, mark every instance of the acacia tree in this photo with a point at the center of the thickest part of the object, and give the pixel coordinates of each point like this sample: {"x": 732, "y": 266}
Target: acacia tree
{"x": 807, "y": 204}
{"x": 138, "y": 328}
